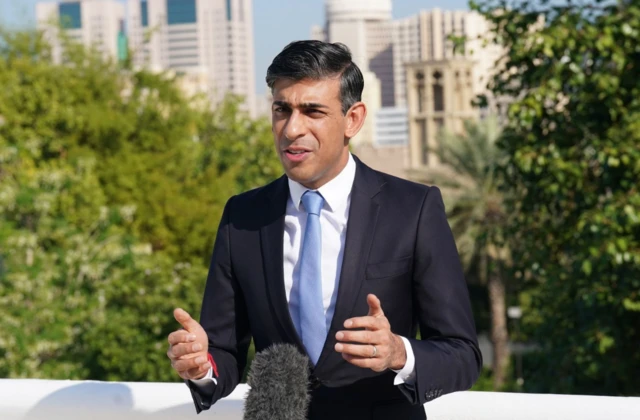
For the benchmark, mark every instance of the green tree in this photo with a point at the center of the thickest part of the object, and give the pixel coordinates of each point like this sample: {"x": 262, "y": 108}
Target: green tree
{"x": 79, "y": 296}
{"x": 469, "y": 177}
{"x": 573, "y": 141}
{"x": 171, "y": 156}
{"x": 112, "y": 184}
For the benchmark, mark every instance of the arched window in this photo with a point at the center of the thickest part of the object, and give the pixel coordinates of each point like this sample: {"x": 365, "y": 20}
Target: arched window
{"x": 438, "y": 92}
{"x": 420, "y": 90}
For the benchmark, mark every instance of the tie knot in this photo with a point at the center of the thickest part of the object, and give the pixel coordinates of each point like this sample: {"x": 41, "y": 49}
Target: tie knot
{"x": 312, "y": 201}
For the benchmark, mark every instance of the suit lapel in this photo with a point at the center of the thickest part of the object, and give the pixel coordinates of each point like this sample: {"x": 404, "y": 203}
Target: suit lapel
{"x": 271, "y": 238}
{"x": 363, "y": 216}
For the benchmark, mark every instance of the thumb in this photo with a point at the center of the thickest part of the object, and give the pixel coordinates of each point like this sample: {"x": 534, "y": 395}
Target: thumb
{"x": 185, "y": 320}
{"x": 375, "y": 307}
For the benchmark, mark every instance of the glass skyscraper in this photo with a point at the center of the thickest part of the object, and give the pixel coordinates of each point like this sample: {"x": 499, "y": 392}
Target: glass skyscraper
{"x": 207, "y": 40}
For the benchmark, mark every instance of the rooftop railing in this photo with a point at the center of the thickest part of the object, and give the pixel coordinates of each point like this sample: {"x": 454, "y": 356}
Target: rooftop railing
{"x": 31, "y": 399}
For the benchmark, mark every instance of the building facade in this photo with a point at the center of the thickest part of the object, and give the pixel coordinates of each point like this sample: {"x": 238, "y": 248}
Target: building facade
{"x": 439, "y": 96}
{"x": 371, "y": 98}
{"x": 208, "y": 42}
{"x": 214, "y": 37}
{"x": 389, "y": 150}
{"x": 392, "y": 127}
{"x": 426, "y": 85}
{"x": 365, "y": 27}
{"x": 96, "y": 23}
{"x": 425, "y": 37}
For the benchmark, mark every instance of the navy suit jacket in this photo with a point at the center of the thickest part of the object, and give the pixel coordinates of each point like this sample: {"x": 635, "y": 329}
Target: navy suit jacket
{"x": 398, "y": 246}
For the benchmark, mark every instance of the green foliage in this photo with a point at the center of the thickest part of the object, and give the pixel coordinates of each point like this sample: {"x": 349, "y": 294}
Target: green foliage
{"x": 469, "y": 178}
{"x": 72, "y": 274}
{"x": 573, "y": 139}
{"x": 112, "y": 184}
{"x": 485, "y": 382}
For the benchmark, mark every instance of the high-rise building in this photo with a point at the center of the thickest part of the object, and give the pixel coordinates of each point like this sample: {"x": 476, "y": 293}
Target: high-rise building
{"x": 210, "y": 36}
{"x": 392, "y": 127}
{"x": 365, "y": 27}
{"x": 96, "y": 23}
{"x": 389, "y": 150}
{"x": 425, "y": 37}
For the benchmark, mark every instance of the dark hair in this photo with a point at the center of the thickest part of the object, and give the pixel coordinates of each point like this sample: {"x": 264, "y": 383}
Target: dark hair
{"x": 319, "y": 60}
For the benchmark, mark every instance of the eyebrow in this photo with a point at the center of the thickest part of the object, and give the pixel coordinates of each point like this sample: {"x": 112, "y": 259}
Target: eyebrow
{"x": 302, "y": 105}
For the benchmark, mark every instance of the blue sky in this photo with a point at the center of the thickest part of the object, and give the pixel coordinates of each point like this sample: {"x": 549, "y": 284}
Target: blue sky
{"x": 276, "y": 22}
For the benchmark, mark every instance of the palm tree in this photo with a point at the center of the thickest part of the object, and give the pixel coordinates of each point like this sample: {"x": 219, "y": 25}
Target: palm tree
{"x": 468, "y": 177}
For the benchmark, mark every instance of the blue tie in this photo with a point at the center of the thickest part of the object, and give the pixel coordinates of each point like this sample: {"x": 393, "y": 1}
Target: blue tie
{"x": 313, "y": 328}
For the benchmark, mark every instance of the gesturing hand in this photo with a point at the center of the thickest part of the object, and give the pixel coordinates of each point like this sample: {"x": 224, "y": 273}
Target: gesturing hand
{"x": 376, "y": 348}
{"x": 188, "y": 347}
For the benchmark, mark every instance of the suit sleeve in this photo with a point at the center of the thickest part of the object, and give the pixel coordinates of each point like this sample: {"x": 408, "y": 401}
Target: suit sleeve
{"x": 224, "y": 318}
{"x": 447, "y": 356}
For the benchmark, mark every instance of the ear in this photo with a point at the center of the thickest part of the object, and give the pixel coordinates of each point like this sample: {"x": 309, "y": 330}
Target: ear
{"x": 355, "y": 119}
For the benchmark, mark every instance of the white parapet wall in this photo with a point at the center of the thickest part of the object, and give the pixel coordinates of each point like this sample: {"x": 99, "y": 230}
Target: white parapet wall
{"x": 31, "y": 399}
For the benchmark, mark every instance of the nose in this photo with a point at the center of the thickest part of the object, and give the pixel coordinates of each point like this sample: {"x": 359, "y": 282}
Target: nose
{"x": 295, "y": 127}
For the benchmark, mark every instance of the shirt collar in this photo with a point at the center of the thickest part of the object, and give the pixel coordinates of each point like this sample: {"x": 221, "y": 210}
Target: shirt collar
{"x": 335, "y": 192}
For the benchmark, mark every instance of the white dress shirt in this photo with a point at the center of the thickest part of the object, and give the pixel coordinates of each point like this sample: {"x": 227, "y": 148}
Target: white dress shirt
{"x": 333, "y": 223}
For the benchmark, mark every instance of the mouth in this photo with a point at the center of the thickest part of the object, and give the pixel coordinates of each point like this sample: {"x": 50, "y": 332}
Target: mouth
{"x": 296, "y": 154}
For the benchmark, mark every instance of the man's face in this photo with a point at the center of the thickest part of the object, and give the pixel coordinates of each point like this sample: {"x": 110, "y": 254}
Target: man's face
{"x": 310, "y": 130}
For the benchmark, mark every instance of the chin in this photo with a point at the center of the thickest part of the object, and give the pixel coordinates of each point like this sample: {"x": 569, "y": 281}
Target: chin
{"x": 300, "y": 176}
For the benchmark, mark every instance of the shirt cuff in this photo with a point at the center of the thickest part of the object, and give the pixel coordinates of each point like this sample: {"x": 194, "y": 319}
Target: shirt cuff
{"x": 206, "y": 378}
{"x": 407, "y": 375}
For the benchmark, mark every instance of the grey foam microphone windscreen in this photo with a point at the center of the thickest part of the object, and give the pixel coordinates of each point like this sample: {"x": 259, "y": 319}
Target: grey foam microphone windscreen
{"x": 279, "y": 381}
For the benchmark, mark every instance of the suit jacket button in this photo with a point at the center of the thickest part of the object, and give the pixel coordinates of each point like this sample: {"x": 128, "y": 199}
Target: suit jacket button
{"x": 314, "y": 382}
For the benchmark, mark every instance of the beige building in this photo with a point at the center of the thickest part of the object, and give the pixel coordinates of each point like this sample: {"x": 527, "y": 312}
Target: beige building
{"x": 212, "y": 37}
{"x": 389, "y": 151}
{"x": 421, "y": 78}
{"x": 193, "y": 83}
{"x": 365, "y": 27}
{"x": 263, "y": 105}
{"x": 439, "y": 95}
{"x": 371, "y": 98}
{"x": 424, "y": 37}
{"x": 95, "y": 23}
{"x": 391, "y": 160}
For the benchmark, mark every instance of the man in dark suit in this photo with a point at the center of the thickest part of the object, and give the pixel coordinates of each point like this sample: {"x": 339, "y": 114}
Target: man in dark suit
{"x": 343, "y": 261}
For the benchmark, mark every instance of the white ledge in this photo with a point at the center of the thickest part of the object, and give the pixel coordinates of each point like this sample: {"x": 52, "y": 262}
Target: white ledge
{"x": 32, "y": 399}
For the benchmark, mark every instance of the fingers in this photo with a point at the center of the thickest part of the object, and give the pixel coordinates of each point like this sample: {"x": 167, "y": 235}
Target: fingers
{"x": 375, "y": 319}
{"x": 181, "y": 336}
{"x": 368, "y": 322}
{"x": 185, "y": 320}
{"x": 364, "y": 337}
{"x": 188, "y": 357}
{"x": 184, "y": 365}
{"x": 360, "y": 343}
{"x": 185, "y": 349}
{"x": 361, "y": 350}
{"x": 374, "y": 364}
{"x": 375, "y": 307}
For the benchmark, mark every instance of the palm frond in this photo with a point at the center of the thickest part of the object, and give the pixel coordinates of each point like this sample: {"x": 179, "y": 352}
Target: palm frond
{"x": 469, "y": 182}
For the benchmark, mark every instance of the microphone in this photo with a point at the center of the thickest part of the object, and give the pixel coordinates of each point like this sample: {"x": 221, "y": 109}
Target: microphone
{"x": 279, "y": 381}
